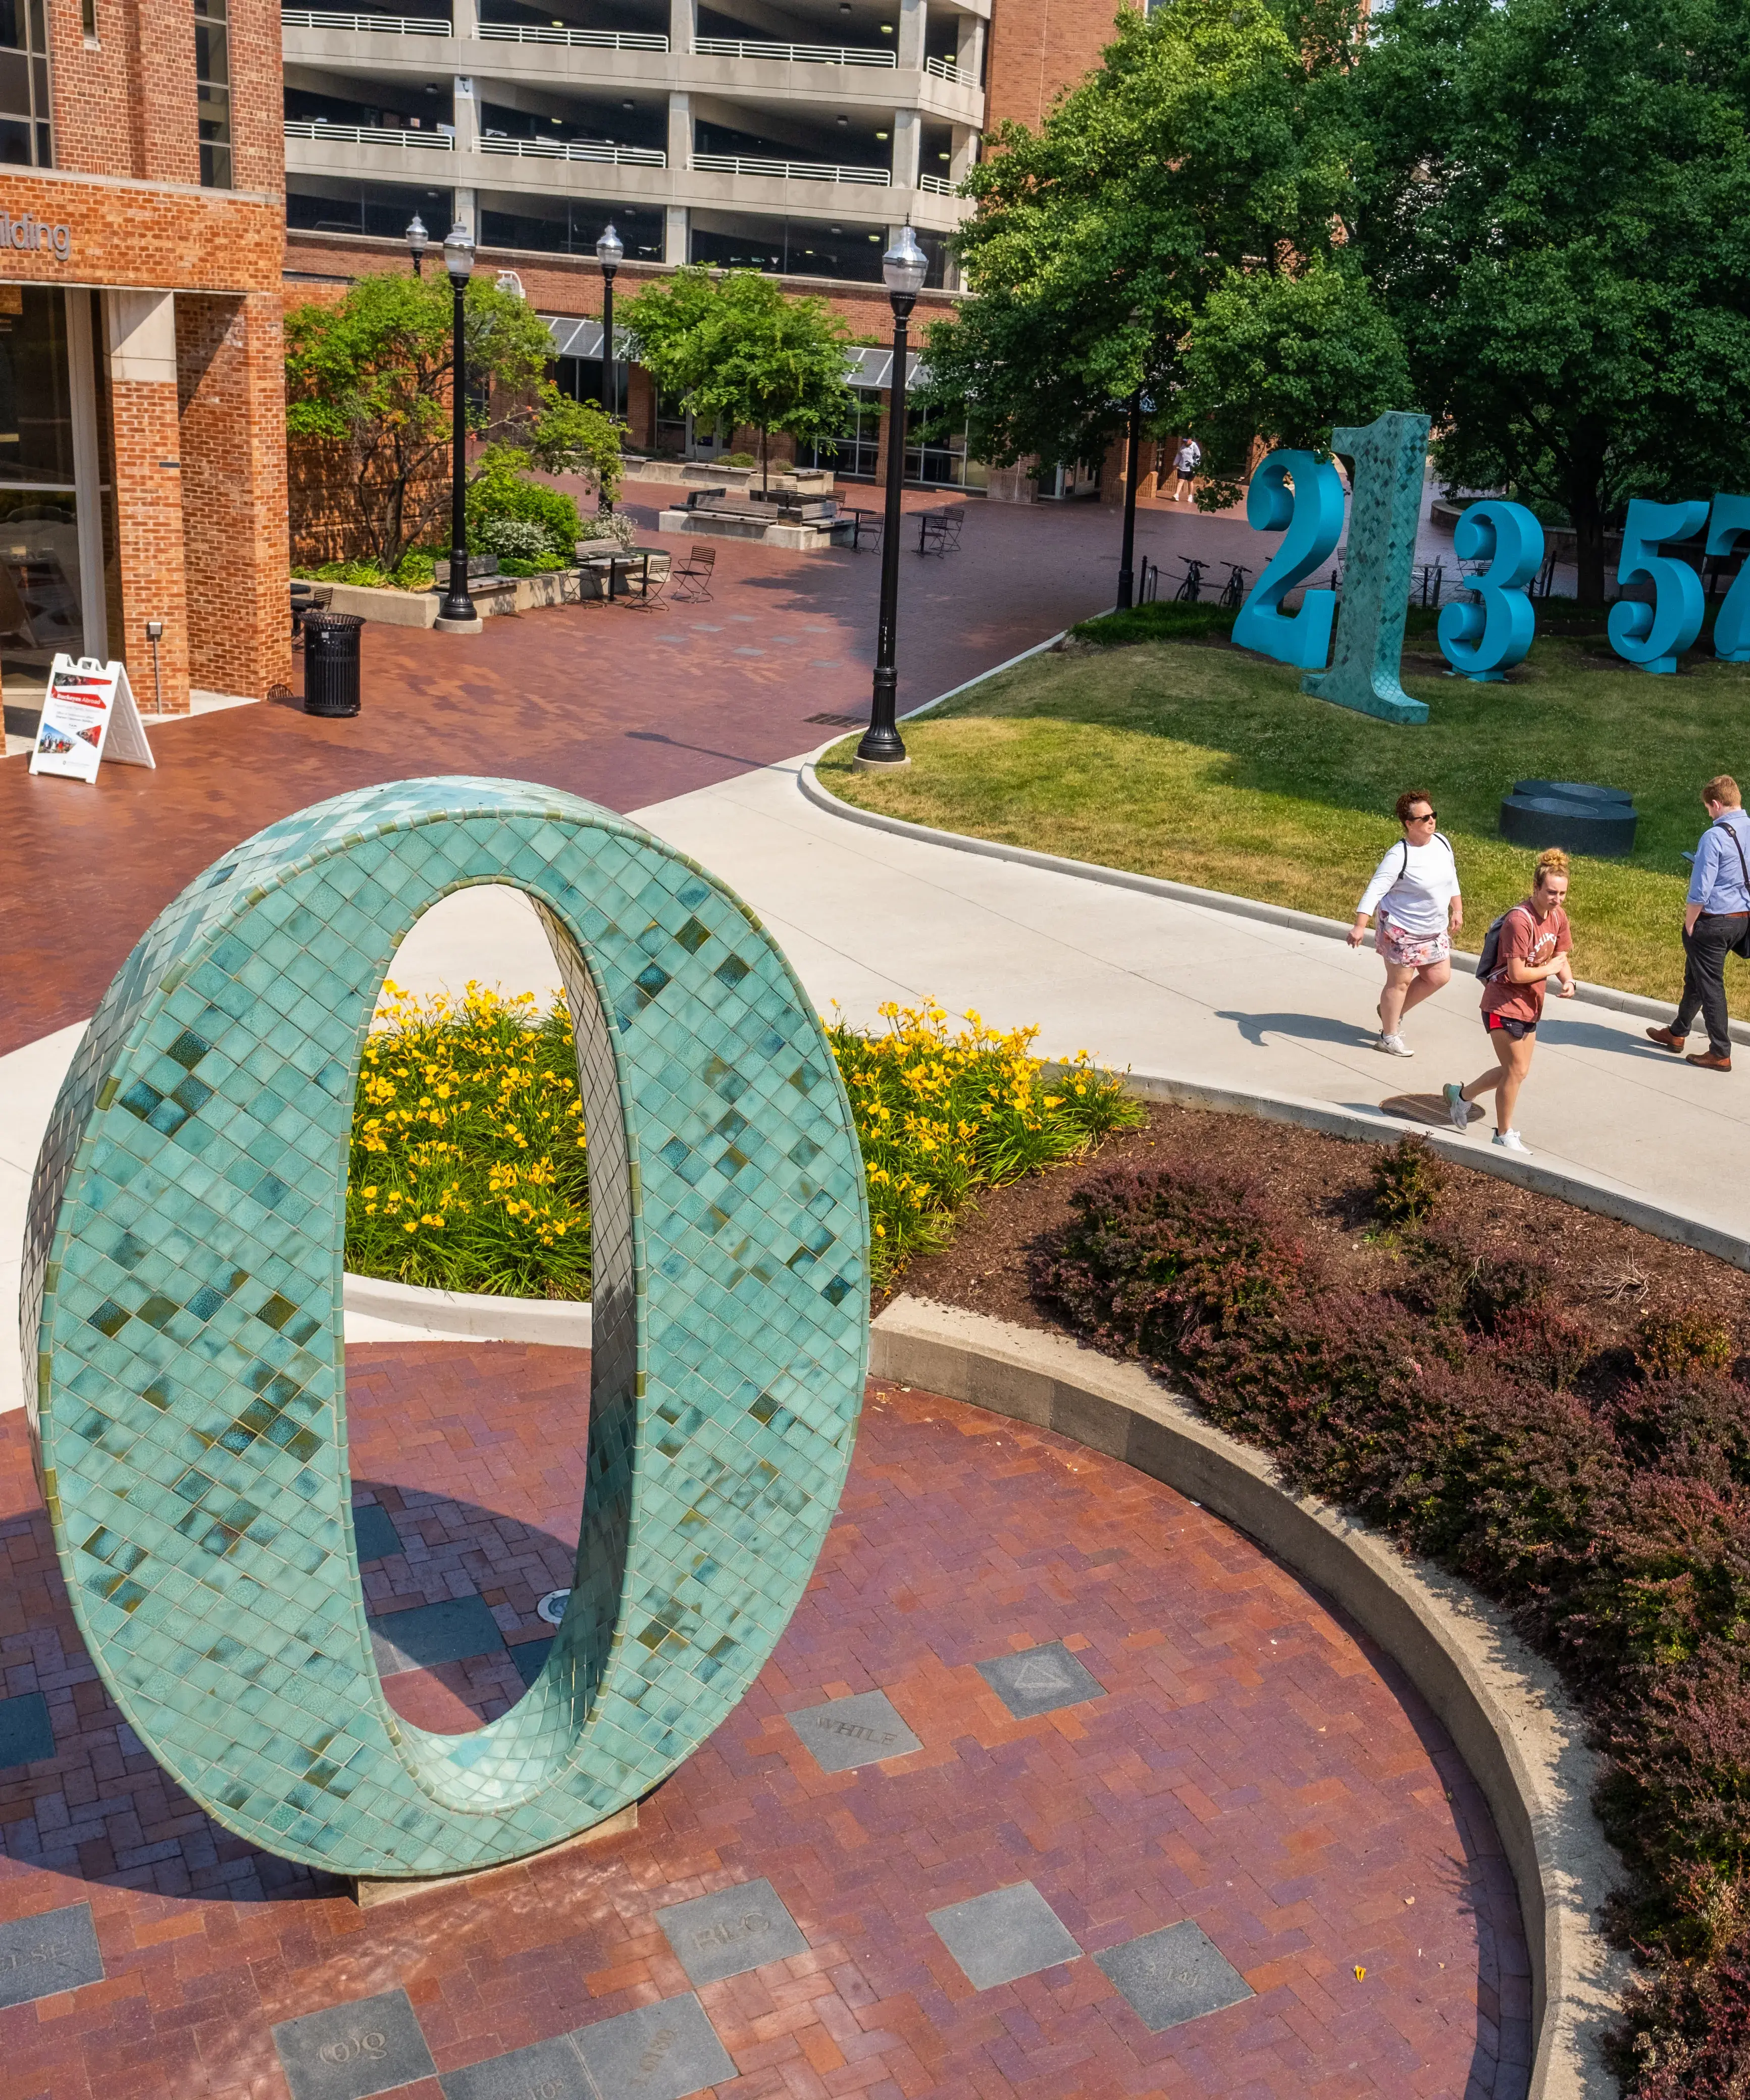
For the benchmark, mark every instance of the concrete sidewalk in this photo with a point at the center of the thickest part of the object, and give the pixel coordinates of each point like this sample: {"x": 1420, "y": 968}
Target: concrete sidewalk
{"x": 1150, "y": 983}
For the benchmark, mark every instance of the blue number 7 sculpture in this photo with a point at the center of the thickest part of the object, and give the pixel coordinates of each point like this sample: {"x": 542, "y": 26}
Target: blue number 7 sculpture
{"x": 1730, "y": 522}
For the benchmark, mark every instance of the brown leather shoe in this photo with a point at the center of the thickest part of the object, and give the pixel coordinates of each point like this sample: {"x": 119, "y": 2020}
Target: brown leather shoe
{"x": 1665, "y": 1039}
{"x": 1708, "y": 1062}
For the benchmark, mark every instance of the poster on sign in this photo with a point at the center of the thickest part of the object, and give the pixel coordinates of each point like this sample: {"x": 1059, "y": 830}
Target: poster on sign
{"x": 88, "y": 715}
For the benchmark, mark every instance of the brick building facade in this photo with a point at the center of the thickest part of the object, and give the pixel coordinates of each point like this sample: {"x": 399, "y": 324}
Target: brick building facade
{"x": 373, "y": 104}
{"x": 142, "y": 419}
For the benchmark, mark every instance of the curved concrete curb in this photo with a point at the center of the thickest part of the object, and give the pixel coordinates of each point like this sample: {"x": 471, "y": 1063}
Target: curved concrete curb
{"x": 377, "y": 1311}
{"x": 1181, "y": 892}
{"x": 1505, "y": 1708}
{"x": 1607, "y": 1198}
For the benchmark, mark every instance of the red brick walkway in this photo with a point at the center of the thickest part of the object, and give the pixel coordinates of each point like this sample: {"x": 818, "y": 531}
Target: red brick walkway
{"x": 1254, "y": 1766}
{"x": 626, "y": 707}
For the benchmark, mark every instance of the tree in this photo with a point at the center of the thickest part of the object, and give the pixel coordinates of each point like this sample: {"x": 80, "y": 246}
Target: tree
{"x": 373, "y": 375}
{"x": 1552, "y": 205}
{"x": 1210, "y": 140}
{"x": 1285, "y": 357}
{"x": 574, "y": 437}
{"x": 736, "y": 349}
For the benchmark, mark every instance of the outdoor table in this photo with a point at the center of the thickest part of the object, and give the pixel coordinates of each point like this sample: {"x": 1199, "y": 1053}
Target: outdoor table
{"x": 623, "y": 565}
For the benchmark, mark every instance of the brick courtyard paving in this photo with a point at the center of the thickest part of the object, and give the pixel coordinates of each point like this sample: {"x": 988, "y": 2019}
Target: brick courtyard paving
{"x": 626, "y": 707}
{"x": 1238, "y": 1765}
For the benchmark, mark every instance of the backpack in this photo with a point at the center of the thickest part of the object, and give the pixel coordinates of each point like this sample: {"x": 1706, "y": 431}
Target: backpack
{"x": 1489, "y": 961}
{"x": 1741, "y": 945}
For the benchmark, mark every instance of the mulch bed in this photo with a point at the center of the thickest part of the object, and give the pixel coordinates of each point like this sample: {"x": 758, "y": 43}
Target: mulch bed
{"x": 1610, "y": 1273}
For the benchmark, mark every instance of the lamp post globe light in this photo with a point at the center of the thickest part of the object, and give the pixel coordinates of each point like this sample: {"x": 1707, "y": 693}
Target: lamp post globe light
{"x": 904, "y": 268}
{"x": 458, "y": 614}
{"x": 418, "y": 241}
{"x": 609, "y": 251}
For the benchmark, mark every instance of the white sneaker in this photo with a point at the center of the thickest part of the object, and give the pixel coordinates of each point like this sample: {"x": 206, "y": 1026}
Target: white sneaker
{"x": 1510, "y": 1141}
{"x": 1393, "y": 1046}
{"x": 1457, "y": 1106}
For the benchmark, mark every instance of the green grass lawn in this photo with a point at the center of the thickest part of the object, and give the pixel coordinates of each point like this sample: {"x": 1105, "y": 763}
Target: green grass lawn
{"x": 1197, "y": 761}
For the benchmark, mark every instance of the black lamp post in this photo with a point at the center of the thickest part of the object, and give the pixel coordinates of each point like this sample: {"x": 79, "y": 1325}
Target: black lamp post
{"x": 903, "y": 266}
{"x": 458, "y": 612}
{"x": 609, "y": 250}
{"x": 418, "y": 241}
{"x": 1126, "y": 577}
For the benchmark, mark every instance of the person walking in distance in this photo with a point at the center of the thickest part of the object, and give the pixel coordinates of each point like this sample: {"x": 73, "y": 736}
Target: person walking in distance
{"x": 1185, "y": 462}
{"x": 1715, "y": 921}
{"x": 1415, "y": 889}
{"x": 1526, "y": 947}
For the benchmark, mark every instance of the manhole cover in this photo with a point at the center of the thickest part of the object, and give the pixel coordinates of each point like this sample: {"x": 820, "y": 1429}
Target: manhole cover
{"x": 552, "y": 1606}
{"x": 837, "y": 721}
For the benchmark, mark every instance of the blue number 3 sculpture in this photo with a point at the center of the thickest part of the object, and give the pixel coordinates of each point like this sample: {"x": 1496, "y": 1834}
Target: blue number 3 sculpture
{"x": 184, "y": 1250}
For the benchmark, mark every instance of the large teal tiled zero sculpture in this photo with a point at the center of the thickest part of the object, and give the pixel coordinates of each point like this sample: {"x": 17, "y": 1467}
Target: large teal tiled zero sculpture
{"x": 184, "y": 1254}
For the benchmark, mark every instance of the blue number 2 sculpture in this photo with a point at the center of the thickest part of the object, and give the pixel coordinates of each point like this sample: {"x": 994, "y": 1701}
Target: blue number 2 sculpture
{"x": 1481, "y": 641}
{"x": 1313, "y": 514}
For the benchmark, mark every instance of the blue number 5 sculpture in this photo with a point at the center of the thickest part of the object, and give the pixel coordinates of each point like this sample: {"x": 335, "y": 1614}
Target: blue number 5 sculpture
{"x": 1313, "y": 514}
{"x": 1653, "y": 635}
{"x": 1481, "y": 641}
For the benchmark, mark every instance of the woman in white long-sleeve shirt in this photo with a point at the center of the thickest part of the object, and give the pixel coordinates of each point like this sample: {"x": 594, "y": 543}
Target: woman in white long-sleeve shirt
{"x": 1415, "y": 890}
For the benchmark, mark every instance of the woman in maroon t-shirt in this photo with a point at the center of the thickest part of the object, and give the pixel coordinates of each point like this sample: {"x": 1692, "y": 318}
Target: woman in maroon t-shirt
{"x": 1533, "y": 947}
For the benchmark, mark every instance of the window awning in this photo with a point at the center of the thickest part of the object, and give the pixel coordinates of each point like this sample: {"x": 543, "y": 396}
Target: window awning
{"x": 575, "y": 336}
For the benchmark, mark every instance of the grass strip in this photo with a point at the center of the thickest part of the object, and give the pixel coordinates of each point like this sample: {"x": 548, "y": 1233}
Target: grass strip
{"x": 1196, "y": 761}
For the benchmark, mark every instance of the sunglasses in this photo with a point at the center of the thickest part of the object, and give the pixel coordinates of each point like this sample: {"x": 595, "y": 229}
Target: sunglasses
{"x": 1427, "y": 817}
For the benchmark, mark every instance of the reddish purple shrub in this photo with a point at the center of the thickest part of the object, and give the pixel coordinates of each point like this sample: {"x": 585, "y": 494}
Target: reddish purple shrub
{"x": 1153, "y": 1252}
{"x": 1606, "y": 1505}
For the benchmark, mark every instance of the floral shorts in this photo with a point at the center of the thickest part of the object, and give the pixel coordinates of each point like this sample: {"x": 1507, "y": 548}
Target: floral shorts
{"x": 1411, "y": 951}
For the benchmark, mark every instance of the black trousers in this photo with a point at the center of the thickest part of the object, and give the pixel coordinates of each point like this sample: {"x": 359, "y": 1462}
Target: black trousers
{"x": 1704, "y": 952}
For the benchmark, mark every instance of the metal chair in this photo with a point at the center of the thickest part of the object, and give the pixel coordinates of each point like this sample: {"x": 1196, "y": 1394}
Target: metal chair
{"x": 692, "y": 579}
{"x": 865, "y": 526}
{"x": 649, "y": 592}
{"x": 939, "y": 531}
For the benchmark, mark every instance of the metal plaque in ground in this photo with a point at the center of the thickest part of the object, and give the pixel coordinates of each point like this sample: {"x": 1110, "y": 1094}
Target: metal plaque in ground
{"x": 1011, "y": 1933}
{"x": 1039, "y": 1680}
{"x": 863, "y": 1729}
{"x": 1173, "y": 1975}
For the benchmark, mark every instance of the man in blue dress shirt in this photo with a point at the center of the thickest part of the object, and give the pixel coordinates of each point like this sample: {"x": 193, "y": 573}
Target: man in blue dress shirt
{"x": 1714, "y": 920}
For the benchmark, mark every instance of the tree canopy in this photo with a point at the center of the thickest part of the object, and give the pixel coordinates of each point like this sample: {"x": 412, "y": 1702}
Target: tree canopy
{"x": 372, "y": 374}
{"x": 1209, "y": 140}
{"x": 1521, "y": 217}
{"x": 1552, "y": 198}
{"x": 736, "y": 349}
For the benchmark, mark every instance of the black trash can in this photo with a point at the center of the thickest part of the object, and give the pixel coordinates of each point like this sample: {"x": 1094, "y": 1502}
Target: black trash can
{"x": 331, "y": 663}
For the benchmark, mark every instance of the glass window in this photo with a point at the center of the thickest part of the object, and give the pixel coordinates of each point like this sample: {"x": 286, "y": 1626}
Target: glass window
{"x": 568, "y": 226}
{"x": 940, "y": 462}
{"x": 788, "y": 247}
{"x": 320, "y": 204}
{"x": 27, "y": 138}
{"x": 41, "y": 608}
{"x": 858, "y": 443}
{"x": 212, "y": 76}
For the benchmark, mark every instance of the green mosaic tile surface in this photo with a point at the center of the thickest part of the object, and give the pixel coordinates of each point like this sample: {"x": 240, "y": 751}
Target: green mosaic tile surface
{"x": 182, "y": 1335}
